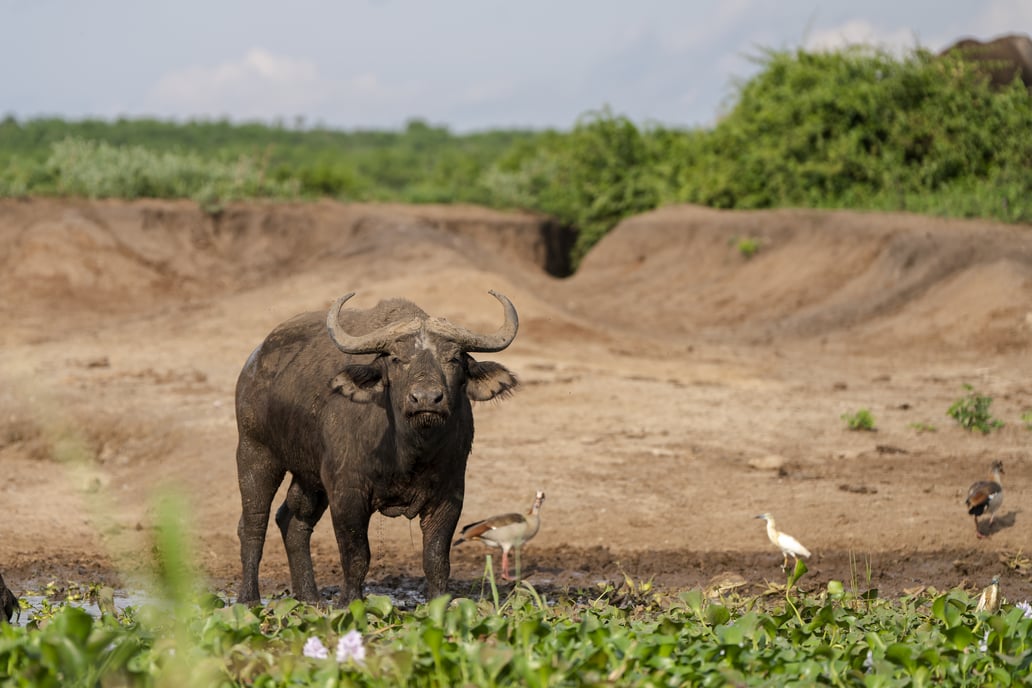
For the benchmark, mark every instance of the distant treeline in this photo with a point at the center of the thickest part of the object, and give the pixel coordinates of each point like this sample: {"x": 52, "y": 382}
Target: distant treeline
{"x": 859, "y": 128}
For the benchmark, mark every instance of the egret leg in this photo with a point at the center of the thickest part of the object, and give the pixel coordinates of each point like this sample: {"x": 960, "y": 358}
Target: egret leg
{"x": 505, "y": 564}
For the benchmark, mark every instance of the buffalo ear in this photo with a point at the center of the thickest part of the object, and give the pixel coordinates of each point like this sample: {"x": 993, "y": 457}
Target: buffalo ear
{"x": 489, "y": 380}
{"x": 360, "y": 383}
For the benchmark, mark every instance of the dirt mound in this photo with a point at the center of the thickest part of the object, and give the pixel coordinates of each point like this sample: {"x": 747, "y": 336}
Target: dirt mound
{"x": 863, "y": 279}
{"x": 114, "y": 257}
{"x": 672, "y": 389}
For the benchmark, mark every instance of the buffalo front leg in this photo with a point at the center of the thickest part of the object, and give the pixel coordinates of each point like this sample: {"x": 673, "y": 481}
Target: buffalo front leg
{"x": 296, "y": 518}
{"x": 259, "y": 476}
{"x": 350, "y": 510}
{"x": 438, "y": 528}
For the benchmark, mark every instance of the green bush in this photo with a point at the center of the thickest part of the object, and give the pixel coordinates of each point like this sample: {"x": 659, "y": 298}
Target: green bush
{"x": 861, "y": 420}
{"x": 972, "y": 412}
{"x": 99, "y": 170}
{"x": 862, "y": 128}
{"x": 591, "y": 178}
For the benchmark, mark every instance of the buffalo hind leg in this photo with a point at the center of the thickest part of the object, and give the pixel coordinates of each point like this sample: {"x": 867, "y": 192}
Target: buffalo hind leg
{"x": 351, "y": 511}
{"x": 296, "y": 518}
{"x": 259, "y": 476}
{"x": 438, "y": 528}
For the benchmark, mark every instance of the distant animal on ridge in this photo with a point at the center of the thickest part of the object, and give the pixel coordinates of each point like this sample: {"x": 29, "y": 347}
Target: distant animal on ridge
{"x": 507, "y": 532}
{"x": 783, "y": 541}
{"x": 986, "y": 496}
{"x": 1001, "y": 59}
{"x": 368, "y": 410}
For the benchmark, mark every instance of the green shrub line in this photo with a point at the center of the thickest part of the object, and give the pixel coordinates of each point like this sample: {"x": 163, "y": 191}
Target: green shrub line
{"x": 859, "y": 128}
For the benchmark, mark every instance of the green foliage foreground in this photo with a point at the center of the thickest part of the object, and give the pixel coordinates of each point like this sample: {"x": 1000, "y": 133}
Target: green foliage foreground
{"x": 641, "y": 638}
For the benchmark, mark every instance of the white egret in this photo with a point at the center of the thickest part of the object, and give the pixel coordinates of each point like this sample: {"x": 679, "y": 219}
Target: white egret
{"x": 783, "y": 541}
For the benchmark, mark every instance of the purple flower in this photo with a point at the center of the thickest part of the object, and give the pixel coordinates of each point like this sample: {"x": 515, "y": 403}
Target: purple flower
{"x": 350, "y": 647}
{"x": 315, "y": 649}
{"x": 1026, "y": 609}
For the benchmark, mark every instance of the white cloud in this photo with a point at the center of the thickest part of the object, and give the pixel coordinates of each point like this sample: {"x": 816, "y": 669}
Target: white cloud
{"x": 258, "y": 85}
{"x": 861, "y": 31}
{"x": 1002, "y": 16}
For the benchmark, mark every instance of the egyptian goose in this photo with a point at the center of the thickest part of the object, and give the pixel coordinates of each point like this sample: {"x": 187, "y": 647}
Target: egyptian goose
{"x": 8, "y": 602}
{"x": 783, "y": 541}
{"x": 507, "y": 531}
{"x": 986, "y": 496}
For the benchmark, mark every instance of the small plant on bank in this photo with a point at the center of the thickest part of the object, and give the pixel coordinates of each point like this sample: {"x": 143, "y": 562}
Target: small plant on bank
{"x": 1026, "y": 418}
{"x": 972, "y": 412}
{"x": 861, "y": 420}
{"x": 747, "y": 247}
{"x": 923, "y": 427}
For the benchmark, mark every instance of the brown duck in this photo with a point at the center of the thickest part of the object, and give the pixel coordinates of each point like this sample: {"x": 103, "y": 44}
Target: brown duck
{"x": 986, "y": 496}
{"x": 509, "y": 532}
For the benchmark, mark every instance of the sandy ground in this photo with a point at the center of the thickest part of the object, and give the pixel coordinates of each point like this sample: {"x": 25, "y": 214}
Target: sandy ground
{"x": 671, "y": 389}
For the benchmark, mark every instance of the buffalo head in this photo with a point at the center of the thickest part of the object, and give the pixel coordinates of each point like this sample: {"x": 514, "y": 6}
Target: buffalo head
{"x": 423, "y": 361}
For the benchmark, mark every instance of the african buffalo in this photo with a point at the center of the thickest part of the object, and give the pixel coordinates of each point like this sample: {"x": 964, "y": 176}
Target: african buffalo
{"x": 8, "y": 602}
{"x": 1001, "y": 59}
{"x": 368, "y": 410}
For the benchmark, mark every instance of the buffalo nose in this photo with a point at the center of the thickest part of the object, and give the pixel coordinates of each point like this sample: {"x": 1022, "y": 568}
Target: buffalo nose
{"x": 426, "y": 396}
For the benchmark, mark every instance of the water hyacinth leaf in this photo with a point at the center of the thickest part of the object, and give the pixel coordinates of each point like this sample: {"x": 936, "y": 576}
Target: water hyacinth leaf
{"x": 824, "y": 616}
{"x": 960, "y": 637}
{"x": 835, "y": 589}
{"x": 798, "y": 572}
{"x": 589, "y": 624}
{"x": 282, "y": 608}
{"x": 436, "y": 608}
{"x": 433, "y": 636}
{"x": 668, "y": 626}
{"x": 379, "y": 606}
{"x": 948, "y": 610}
{"x": 931, "y": 657}
{"x": 899, "y": 653}
{"x": 210, "y": 601}
{"x": 527, "y": 630}
{"x": 998, "y": 624}
{"x": 72, "y": 623}
{"x": 493, "y": 659}
{"x": 694, "y": 600}
{"x": 401, "y": 663}
{"x": 717, "y": 614}
{"x": 239, "y": 617}
{"x": 357, "y": 614}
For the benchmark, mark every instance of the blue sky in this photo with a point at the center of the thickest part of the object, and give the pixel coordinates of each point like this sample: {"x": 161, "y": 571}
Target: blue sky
{"x": 467, "y": 64}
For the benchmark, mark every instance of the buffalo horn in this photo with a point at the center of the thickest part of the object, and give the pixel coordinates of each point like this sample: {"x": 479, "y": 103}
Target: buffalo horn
{"x": 380, "y": 340}
{"x": 472, "y": 341}
{"x": 377, "y": 341}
